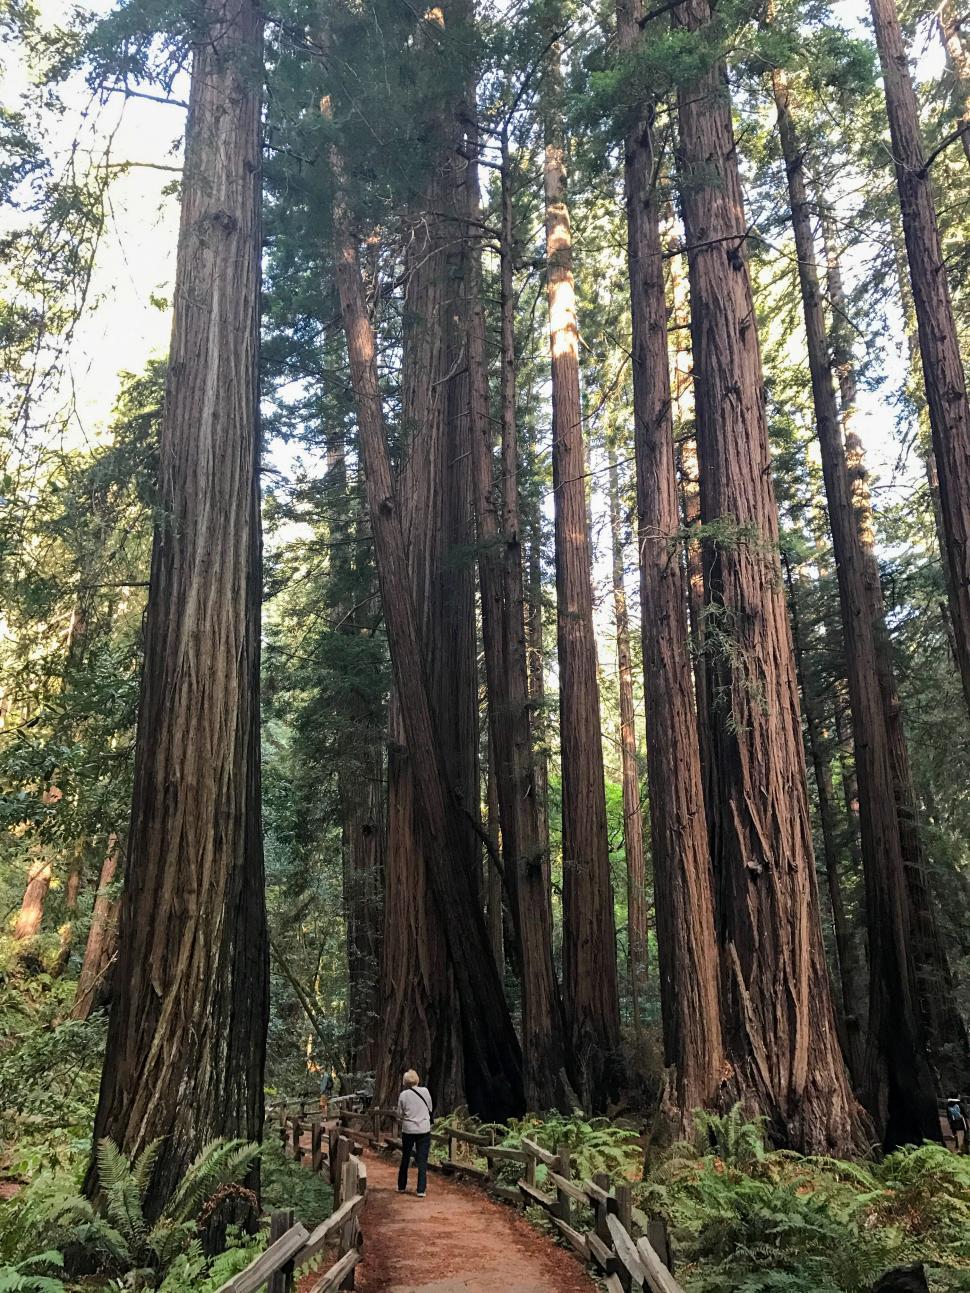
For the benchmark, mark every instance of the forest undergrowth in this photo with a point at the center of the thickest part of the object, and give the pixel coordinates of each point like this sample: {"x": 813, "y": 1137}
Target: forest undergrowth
{"x": 743, "y": 1218}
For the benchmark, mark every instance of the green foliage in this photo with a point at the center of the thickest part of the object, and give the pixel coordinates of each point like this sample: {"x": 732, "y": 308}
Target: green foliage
{"x": 116, "y": 1236}
{"x": 752, "y": 1220}
{"x": 192, "y": 1272}
{"x": 49, "y": 1074}
{"x": 285, "y": 1184}
{"x": 33, "y": 1275}
{"x": 595, "y": 1145}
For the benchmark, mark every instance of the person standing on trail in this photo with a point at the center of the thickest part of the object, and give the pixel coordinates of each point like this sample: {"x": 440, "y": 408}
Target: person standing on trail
{"x": 958, "y": 1123}
{"x": 414, "y": 1112}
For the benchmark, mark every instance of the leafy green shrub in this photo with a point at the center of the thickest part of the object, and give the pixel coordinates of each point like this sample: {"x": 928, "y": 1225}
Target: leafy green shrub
{"x": 595, "y": 1145}
{"x": 50, "y": 1069}
{"x": 285, "y": 1184}
{"x": 119, "y": 1240}
{"x": 746, "y": 1219}
{"x": 32, "y": 1275}
{"x": 191, "y": 1272}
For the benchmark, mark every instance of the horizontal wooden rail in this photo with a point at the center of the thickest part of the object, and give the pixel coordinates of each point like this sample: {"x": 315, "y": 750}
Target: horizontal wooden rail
{"x": 292, "y": 1247}
{"x": 625, "y": 1260}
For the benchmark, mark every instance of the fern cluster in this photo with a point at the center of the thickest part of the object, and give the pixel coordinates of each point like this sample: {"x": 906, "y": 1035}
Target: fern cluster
{"x": 747, "y": 1219}
{"x": 116, "y": 1237}
{"x": 594, "y": 1144}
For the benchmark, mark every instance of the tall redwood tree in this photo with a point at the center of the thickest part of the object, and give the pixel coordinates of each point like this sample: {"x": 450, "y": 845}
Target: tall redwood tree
{"x": 187, "y": 1031}
{"x": 590, "y": 989}
{"x": 686, "y": 945}
{"x": 779, "y": 1028}
{"x": 943, "y": 372}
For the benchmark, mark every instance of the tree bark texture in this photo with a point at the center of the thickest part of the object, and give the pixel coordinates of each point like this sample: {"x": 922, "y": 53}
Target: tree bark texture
{"x": 683, "y": 891}
{"x": 102, "y": 944}
{"x": 945, "y": 1034}
{"x": 780, "y": 1032}
{"x": 950, "y": 26}
{"x": 590, "y": 987}
{"x": 362, "y": 818}
{"x": 845, "y": 959}
{"x": 31, "y": 913}
{"x": 422, "y": 1018}
{"x": 534, "y": 625}
{"x": 187, "y": 1032}
{"x": 491, "y": 1054}
{"x": 898, "y": 1085}
{"x": 685, "y": 457}
{"x": 494, "y": 889}
{"x": 544, "y": 1057}
{"x": 636, "y": 876}
{"x": 943, "y": 374}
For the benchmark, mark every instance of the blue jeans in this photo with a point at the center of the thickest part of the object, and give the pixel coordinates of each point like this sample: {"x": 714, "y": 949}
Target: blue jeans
{"x": 418, "y": 1145}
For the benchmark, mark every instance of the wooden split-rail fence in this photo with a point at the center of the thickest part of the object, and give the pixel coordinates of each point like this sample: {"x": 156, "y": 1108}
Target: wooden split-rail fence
{"x": 292, "y": 1247}
{"x": 628, "y": 1250}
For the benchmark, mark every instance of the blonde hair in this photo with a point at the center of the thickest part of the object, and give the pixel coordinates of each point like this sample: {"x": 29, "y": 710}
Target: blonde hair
{"x": 411, "y": 1078}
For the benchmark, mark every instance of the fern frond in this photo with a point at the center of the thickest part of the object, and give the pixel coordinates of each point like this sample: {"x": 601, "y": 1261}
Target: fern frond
{"x": 122, "y": 1200}
{"x": 221, "y": 1162}
{"x": 145, "y": 1165}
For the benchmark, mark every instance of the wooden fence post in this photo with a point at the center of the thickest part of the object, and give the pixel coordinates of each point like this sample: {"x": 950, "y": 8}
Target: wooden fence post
{"x": 316, "y": 1146}
{"x": 564, "y": 1208}
{"x": 602, "y": 1229}
{"x": 280, "y": 1281}
{"x": 660, "y": 1241}
{"x": 337, "y": 1170}
{"x": 624, "y": 1206}
{"x": 297, "y": 1137}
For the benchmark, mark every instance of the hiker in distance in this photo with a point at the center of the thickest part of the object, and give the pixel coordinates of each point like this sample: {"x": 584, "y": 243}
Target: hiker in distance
{"x": 414, "y": 1111}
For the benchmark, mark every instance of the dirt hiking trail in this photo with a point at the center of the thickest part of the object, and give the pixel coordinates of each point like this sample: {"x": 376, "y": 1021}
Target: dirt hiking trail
{"x": 457, "y": 1240}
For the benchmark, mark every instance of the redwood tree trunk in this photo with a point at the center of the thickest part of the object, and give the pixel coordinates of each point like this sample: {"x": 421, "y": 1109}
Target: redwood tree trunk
{"x": 944, "y": 1032}
{"x": 422, "y": 1023}
{"x": 494, "y": 897}
{"x": 636, "y": 878}
{"x": 590, "y": 986}
{"x": 492, "y": 1059}
{"x": 686, "y": 944}
{"x": 898, "y": 1083}
{"x": 99, "y": 952}
{"x": 946, "y": 390}
{"x": 506, "y": 667}
{"x": 845, "y": 960}
{"x": 35, "y": 896}
{"x": 780, "y": 1033}
{"x": 949, "y": 23}
{"x": 187, "y": 1032}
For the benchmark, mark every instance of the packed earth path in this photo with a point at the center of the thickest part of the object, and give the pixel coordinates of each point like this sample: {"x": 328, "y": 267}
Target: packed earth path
{"x": 456, "y": 1240}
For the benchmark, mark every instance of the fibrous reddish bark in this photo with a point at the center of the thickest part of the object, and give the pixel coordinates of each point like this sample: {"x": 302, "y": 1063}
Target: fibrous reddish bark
{"x": 686, "y": 943}
{"x": 950, "y": 24}
{"x": 187, "y": 1032}
{"x": 896, "y": 1058}
{"x": 636, "y": 892}
{"x": 31, "y": 912}
{"x": 589, "y": 941}
{"x": 503, "y": 632}
{"x": 943, "y": 1032}
{"x": 779, "y": 1029}
{"x": 102, "y": 945}
{"x": 491, "y": 1054}
{"x": 420, "y": 1006}
{"x": 943, "y": 373}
